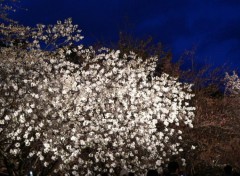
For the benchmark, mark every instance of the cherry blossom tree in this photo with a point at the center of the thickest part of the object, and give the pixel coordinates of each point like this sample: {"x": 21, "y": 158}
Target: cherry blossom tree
{"x": 106, "y": 113}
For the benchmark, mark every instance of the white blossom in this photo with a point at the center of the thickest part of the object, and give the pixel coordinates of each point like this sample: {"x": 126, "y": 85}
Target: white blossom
{"x": 107, "y": 109}
{"x": 232, "y": 84}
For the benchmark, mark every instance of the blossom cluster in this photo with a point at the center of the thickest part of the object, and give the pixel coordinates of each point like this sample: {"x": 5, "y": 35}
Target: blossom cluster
{"x": 232, "y": 83}
{"x": 108, "y": 112}
{"x": 42, "y": 37}
{"x": 6, "y": 6}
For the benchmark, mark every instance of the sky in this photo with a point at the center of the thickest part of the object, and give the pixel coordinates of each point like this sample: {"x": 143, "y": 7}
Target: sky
{"x": 210, "y": 28}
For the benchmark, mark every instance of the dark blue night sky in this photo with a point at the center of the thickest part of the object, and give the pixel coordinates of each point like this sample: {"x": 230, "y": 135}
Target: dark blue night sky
{"x": 210, "y": 26}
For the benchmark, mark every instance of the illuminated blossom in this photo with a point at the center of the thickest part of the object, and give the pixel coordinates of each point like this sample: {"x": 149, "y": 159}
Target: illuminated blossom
{"x": 107, "y": 112}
